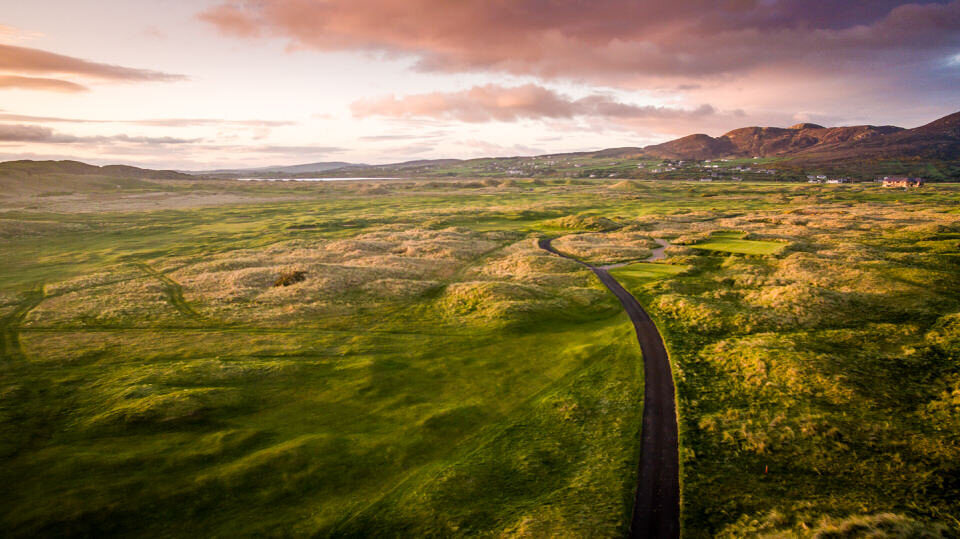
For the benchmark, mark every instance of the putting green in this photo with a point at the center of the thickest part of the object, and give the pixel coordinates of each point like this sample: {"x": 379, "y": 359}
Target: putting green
{"x": 646, "y": 271}
{"x": 747, "y": 247}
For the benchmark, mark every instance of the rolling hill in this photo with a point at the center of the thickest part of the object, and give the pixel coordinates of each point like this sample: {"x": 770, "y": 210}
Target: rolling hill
{"x": 20, "y": 178}
{"x": 35, "y": 168}
{"x": 307, "y": 168}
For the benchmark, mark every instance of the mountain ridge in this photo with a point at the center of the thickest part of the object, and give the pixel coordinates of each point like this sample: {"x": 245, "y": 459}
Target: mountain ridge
{"x": 939, "y": 139}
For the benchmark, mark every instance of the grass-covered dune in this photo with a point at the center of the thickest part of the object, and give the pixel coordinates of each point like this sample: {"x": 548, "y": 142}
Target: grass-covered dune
{"x": 399, "y": 358}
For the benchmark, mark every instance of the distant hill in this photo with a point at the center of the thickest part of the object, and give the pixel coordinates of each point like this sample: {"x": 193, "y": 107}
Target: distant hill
{"x": 31, "y": 178}
{"x": 629, "y": 152}
{"x": 39, "y": 168}
{"x": 424, "y": 162}
{"x": 307, "y": 168}
{"x": 353, "y": 170}
{"x": 326, "y": 168}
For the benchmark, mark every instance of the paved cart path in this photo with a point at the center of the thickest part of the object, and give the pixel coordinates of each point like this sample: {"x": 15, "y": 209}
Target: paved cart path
{"x": 656, "y": 505}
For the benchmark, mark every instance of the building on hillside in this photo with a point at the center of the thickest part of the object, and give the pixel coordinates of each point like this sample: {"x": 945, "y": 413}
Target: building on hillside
{"x": 901, "y": 181}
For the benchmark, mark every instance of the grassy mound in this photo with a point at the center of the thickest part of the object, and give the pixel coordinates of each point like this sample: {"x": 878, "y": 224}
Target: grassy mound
{"x": 606, "y": 248}
{"x": 625, "y": 185}
{"x": 497, "y": 302}
{"x": 583, "y": 222}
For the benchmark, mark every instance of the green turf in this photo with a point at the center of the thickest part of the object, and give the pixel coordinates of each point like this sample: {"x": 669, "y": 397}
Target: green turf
{"x": 153, "y": 382}
{"x": 740, "y": 246}
{"x": 643, "y": 272}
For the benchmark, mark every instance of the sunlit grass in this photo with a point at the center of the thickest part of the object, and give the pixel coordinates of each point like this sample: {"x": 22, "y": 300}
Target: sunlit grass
{"x": 434, "y": 373}
{"x": 643, "y": 272}
{"x": 733, "y": 242}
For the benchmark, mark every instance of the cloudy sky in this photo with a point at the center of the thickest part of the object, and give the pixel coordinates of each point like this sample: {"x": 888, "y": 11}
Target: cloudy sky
{"x": 194, "y": 84}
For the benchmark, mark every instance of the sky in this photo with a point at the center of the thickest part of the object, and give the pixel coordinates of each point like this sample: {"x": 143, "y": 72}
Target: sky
{"x": 193, "y": 85}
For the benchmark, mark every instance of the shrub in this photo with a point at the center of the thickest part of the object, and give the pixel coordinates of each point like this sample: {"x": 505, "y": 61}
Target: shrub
{"x": 290, "y": 277}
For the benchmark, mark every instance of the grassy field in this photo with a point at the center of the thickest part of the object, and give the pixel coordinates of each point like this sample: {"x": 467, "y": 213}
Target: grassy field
{"x": 435, "y": 374}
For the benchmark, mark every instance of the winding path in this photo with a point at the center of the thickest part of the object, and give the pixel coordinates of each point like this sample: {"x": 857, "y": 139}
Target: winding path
{"x": 656, "y": 504}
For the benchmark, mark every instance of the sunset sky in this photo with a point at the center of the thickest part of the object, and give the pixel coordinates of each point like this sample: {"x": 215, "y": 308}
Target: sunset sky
{"x": 196, "y": 85}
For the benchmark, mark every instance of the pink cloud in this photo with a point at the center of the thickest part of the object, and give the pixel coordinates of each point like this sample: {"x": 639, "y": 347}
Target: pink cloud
{"x": 231, "y": 20}
{"x": 608, "y": 40}
{"x": 507, "y": 104}
{"x": 39, "y": 83}
{"x": 24, "y": 133}
{"x": 23, "y": 62}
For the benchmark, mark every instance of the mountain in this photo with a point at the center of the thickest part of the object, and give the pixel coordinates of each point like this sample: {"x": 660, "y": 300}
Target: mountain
{"x": 813, "y": 143}
{"x": 692, "y": 147}
{"x": 938, "y": 140}
{"x": 773, "y": 141}
{"x": 767, "y": 141}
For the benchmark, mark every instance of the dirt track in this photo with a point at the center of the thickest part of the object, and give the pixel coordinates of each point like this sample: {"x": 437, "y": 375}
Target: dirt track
{"x": 656, "y": 505}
